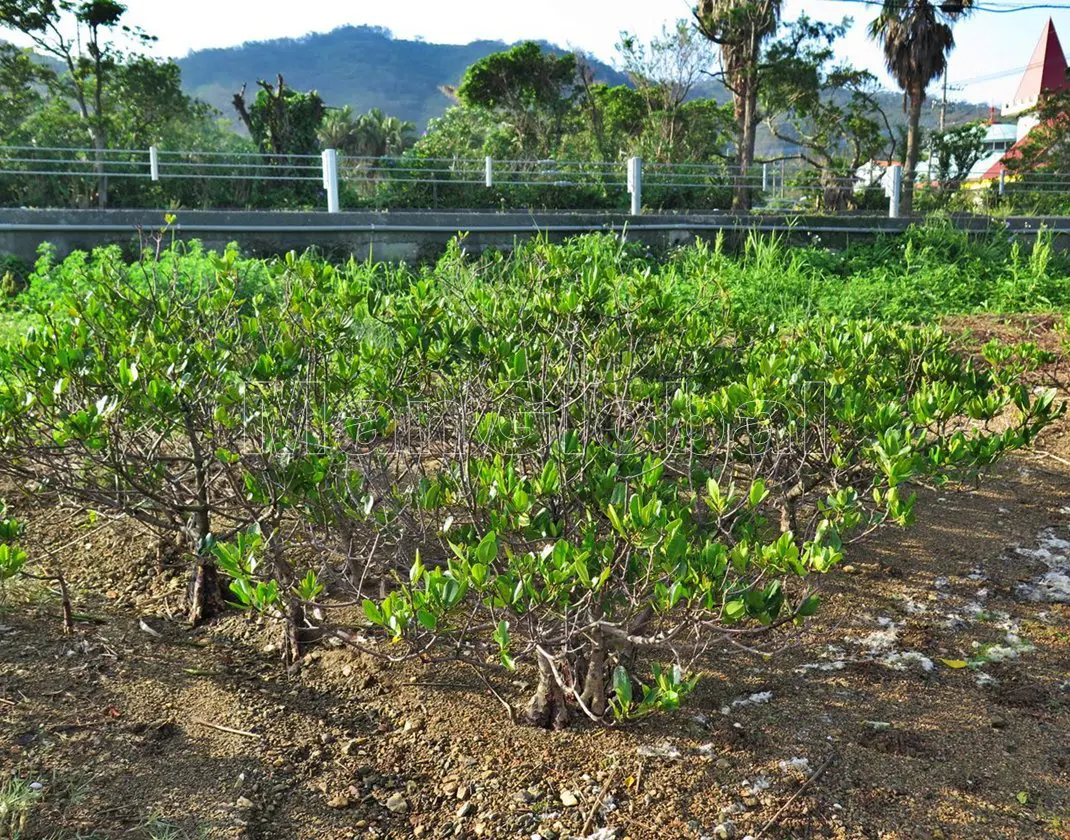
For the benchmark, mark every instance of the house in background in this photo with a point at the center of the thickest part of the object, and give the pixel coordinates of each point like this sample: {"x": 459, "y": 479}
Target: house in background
{"x": 1046, "y": 73}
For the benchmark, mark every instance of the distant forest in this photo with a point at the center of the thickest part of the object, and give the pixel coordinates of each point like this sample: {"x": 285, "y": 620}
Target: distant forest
{"x": 366, "y": 67}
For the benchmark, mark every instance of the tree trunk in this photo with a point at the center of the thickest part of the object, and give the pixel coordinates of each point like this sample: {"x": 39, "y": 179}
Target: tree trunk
{"x": 99, "y": 144}
{"x": 547, "y": 708}
{"x": 748, "y": 125}
{"x": 594, "y": 681}
{"x": 910, "y": 165}
{"x": 206, "y": 596}
{"x": 292, "y": 633}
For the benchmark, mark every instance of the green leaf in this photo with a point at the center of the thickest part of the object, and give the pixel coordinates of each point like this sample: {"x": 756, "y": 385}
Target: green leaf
{"x": 127, "y": 373}
{"x": 735, "y": 610}
{"x": 809, "y": 606}
{"x": 427, "y": 620}
{"x": 622, "y": 687}
{"x": 487, "y": 550}
{"x": 372, "y": 612}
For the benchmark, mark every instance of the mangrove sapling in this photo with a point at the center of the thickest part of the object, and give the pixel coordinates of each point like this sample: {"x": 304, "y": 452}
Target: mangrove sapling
{"x": 154, "y": 398}
{"x": 592, "y": 469}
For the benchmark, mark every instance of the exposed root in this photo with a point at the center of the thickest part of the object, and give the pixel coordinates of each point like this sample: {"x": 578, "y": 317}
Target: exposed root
{"x": 547, "y": 708}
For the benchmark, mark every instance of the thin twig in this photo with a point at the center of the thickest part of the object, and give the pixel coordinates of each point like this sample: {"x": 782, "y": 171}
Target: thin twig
{"x": 813, "y": 778}
{"x": 508, "y": 709}
{"x": 602, "y": 794}
{"x": 226, "y": 729}
{"x": 1041, "y": 455}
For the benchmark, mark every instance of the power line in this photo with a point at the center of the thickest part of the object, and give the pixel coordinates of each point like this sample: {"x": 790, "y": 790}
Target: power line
{"x": 992, "y": 8}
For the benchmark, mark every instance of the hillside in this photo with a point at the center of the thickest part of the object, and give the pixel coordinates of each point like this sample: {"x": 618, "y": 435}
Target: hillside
{"x": 366, "y": 67}
{"x": 362, "y": 66}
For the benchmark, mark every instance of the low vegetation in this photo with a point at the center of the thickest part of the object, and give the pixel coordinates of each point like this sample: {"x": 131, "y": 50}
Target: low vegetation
{"x": 572, "y": 459}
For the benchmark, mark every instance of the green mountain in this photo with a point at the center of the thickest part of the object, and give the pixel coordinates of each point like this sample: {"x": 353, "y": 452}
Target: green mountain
{"x": 366, "y": 67}
{"x": 362, "y": 66}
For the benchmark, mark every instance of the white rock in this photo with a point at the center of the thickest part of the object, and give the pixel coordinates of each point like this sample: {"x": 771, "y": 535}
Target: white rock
{"x": 796, "y": 765}
{"x": 901, "y": 660}
{"x": 662, "y": 750}
{"x": 757, "y": 699}
{"x": 396, "y": 804}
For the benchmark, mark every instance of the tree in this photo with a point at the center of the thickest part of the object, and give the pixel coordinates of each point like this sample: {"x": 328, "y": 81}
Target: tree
{"x": 1045, "y": 151}
{"x": 532, "y": 90}
{"x": 955, "y": 152}
{"x": 665, "y": 72}
{"x": 917, "y": 39}
{"x": 828, "y": 110}
{"x": 338, "y": 130}
{"x": 20, "y": 95}
{"x": 379, "y": 135}
{"x": 79, "y": 35}
{"x": 740, "y": 28}
{"x": 282, "y": 121}
{"x": 149, "y": 102}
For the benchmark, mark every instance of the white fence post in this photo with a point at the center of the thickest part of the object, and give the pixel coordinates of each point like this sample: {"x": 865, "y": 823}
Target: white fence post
{"x": 488, "y": 171}
{"x": 765, "y": 177}
{"x": 154, "y": 163}
{"x": 635, "y": 184}
{"x": 897, "y": 191}
{"x": 330, "y": 179}
{"x": 1002, "y": 182}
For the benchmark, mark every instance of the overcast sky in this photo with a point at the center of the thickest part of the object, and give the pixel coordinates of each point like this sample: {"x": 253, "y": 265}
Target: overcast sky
{"x": 992, "y": 51}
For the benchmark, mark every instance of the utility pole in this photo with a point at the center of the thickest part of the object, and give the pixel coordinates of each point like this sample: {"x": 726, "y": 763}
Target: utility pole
{"x": 943, "y": 103}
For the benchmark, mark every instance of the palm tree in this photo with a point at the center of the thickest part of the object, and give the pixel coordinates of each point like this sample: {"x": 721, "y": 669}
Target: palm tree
{"x": 383, "y": 136}
{"x": 400, "y": 135}
{"x": 339, "y": 130}
{"x": 372, "y": 135}
{"x": 917, "y": 39}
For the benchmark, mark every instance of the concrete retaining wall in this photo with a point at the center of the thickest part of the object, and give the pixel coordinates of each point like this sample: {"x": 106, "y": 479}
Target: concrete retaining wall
{"x": 408, "y": 235}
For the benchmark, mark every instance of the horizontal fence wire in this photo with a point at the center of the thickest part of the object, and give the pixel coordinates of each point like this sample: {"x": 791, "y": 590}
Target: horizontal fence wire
{"x": 379, "y": 181}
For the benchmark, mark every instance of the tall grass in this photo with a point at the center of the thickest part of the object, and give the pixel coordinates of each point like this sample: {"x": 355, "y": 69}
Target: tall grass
{"x": 927, "y": 272}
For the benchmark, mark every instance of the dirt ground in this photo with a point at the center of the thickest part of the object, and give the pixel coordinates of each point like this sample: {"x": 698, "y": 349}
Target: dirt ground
{"x": 868, "y": 728}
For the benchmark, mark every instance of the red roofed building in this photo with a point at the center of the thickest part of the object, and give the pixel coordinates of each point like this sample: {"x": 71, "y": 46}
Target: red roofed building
{"x": 1046, "y": 73}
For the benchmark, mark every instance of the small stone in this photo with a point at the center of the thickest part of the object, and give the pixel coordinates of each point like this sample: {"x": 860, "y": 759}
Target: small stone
{"x": 724, "y": 831}
{"x": 338, "y": 801}
{"x": 466, "y": 810}
{"x": 463, "y": 792}
{"x": 569, "y": 799}
{"x": 396, "y": 804}
{"x": 349, "y": 747}
{"x": 347, "y": 670}
{"x": 998, "y": 723}
{"x": 245, "y": 804}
